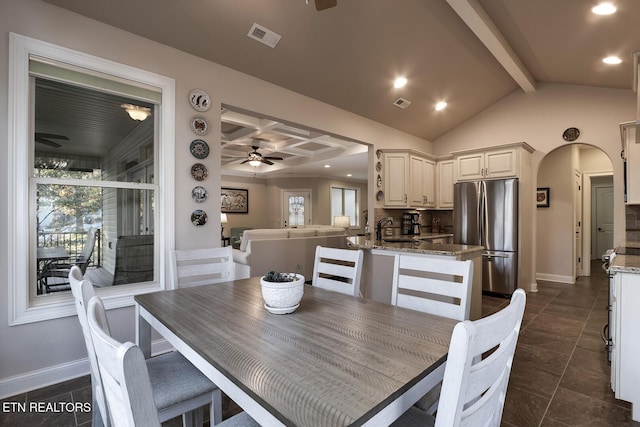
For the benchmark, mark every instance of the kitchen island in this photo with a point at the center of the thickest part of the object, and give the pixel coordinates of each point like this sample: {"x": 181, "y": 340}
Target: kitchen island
{"x": 379, "y": 256}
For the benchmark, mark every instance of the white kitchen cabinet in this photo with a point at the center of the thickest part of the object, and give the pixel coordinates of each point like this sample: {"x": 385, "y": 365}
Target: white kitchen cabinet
{"x": 495, "y": 162}
{"x": 625, "y": 369}
{"x": 445, "y": 181}
{"x": 630, "y": 133}
{"x": 396, "y": 179}
{"x": 421, "y": 182}
{"x": 490, "y": 164}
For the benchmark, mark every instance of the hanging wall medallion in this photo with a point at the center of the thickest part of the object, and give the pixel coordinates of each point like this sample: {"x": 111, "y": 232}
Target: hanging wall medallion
{"x": 199, "y": 194}
{"x": 199, "y": 172}
{"x": 198, "y": 217}
{"x": 199, "y": 100}
{"x": 199, "y": 149}
{"x": 199, "y": 125}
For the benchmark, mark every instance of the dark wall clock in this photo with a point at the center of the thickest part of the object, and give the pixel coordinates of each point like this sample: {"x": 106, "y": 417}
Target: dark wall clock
{"x": 571, "y": 134}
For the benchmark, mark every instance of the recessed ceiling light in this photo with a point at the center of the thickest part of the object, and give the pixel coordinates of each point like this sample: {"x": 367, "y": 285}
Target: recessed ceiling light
{"x": 441, "y": 106}
{"x": 612, "y": 60}
{"x": 349, "y": 175}
{"x": 604, "y": 9}
{"x": 327, "y": 166}
{"x": 399, "y": 82}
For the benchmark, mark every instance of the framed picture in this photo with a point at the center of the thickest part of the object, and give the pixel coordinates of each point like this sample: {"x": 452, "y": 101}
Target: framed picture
{"x": 234, "y": 200}
{"x": 542, "y": 197}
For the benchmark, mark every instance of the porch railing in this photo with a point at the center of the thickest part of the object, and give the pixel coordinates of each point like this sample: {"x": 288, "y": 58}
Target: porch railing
{"x": 73, "y": 242}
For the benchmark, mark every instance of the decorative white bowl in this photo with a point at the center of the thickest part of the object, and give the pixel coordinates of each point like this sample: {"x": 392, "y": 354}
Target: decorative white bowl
{"x": 282, "y": 295}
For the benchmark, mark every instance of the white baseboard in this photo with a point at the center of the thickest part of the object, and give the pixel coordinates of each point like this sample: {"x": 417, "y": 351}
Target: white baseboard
{"x": 39, "y": 378}
{"x": 556, "y": 278}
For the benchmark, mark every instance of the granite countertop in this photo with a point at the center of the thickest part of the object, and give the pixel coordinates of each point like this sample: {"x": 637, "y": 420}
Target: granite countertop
{"x": 413, "y": 246}
{"x": 627, "y": 259}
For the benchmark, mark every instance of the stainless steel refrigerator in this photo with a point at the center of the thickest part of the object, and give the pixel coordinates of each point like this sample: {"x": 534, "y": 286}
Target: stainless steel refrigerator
{"x": 485, "y": 213}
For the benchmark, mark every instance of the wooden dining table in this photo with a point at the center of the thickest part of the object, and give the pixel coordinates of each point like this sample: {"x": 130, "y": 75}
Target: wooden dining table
{"x": 337, "y": 360}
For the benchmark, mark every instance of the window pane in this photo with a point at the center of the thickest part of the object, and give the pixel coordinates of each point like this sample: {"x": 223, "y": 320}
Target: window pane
{"x": 350, "y": 206}
{"x": 296, "y": 211}
{"x": 336, "y": 202}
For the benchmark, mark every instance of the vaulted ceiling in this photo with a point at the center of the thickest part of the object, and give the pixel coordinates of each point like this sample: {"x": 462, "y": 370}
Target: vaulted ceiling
{"x": 469, "y": 53}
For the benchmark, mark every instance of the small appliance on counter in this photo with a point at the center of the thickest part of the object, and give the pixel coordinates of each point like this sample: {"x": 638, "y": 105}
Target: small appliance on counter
{"x": 406, "y": 223}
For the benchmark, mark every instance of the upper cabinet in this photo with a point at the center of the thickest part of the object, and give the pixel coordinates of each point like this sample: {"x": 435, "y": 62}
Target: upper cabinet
{"x": 495, "y": 162}
{"x": 409, "y": 180}
{"x": 630, "y": 133}
{"x": 445, "y": 179}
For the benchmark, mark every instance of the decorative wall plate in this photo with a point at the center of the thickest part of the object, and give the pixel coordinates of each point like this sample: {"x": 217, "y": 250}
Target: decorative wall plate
{"x": 199, "y": 149}
{"x": 379, "y": 195}
{"x": 199, "y": 172}
{"x": 198, "y": 217}
{"x": 199, "y": 194}
{"x": 199, "y": 100}
{"x": 378, "y": 166}
{"x": 379, "y": 181}
{"x": 571, "y": 134}
{"x": 199, "y": 125}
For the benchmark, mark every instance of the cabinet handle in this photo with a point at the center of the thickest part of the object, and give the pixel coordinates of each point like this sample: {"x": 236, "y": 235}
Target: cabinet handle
{"x": 405, "y": 198}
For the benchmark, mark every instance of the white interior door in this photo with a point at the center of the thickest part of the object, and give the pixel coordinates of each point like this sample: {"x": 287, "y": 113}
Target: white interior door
{"x": 296, "y": 208}
{"x": 604, "y": 218}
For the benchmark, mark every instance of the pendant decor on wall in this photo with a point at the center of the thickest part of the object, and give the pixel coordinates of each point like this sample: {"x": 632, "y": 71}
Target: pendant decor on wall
{"x": 198, "y": 217}
{"x": 571, "y": 134}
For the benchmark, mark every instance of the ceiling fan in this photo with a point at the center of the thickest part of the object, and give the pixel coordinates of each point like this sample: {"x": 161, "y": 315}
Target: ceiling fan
{"x": 255, "y": 157}
{"x": 45, "y": 138}
{"x": 324, "y": 4}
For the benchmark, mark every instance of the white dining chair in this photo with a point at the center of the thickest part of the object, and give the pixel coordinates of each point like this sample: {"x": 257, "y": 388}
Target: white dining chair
{"x": 178, "y": 386}
{"x": 338, "y": 270}
{"x": 128, "y": 387}
{"x": 433, "y": 285}
{"x": 194, "y": 267}
{"x": 477, "y": 372}
{"x": 436, "y": 286}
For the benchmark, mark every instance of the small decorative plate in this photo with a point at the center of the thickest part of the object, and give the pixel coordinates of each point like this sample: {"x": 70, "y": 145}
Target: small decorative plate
{"x": 199, "y": 100}
{"x": 378, "y": 166}
{"x": 379, "y": 181}
{"x": 198, "y": 217}
{"x": 199, "y": 125}
{"x": 379, "y": 195}
{"x": 199, "y": 194}
{"x": 199, "y": 149}
{"x": 378, "y": 153}
{"x": 199, "y": 172}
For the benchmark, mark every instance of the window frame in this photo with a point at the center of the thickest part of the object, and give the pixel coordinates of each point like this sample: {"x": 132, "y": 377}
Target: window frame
{"x": 22, "y": 307}
{"x": 357, "y": 207}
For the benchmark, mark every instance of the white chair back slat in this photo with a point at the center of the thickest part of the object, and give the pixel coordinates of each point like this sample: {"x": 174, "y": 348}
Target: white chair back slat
{"x": 435, "y": 286}
{"x": 475, "y": 382}
{"x": 338, "y": 270}
{"x": 195, "y": 267}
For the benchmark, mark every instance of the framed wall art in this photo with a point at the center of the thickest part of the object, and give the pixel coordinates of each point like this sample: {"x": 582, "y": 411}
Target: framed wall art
{"x": 542, "y": 197}
{"x": 234, "y": 200}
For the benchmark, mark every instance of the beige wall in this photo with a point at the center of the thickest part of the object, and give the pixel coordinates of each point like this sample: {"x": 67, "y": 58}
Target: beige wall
{"x": 54, "y": 350}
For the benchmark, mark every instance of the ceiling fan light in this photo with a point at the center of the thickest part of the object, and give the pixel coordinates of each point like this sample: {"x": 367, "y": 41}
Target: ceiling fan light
{"x": 255, "y": 163}
{"x": 136, "y": 112}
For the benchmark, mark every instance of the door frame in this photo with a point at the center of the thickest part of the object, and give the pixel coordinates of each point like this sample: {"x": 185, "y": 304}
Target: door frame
{"x": 586, "y": 216}
{"x": 282, "y": 204}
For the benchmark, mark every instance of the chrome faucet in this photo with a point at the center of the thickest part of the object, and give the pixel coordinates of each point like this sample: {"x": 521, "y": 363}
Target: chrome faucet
{"x": 381, "y": 223}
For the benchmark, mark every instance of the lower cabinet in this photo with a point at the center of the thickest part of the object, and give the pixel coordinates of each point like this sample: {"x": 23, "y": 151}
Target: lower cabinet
{"x": 625, "y": 318}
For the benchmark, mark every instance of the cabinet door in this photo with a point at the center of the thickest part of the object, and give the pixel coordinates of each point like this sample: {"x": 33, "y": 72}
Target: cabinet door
{"x": 501, "y": 163}
{"x": 416, "y": 181}
{"x": 445, "y": 184}
{"x": 395, "y": 179}
{"x": 428, "y": 183}
{"x": 470, "y": 166}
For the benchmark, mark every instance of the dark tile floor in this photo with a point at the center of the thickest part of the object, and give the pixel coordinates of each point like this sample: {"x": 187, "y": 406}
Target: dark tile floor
{"x": 560, "y": 375}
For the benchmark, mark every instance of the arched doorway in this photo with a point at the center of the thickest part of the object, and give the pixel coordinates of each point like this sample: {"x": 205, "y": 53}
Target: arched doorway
{"x": 578, "y": 220}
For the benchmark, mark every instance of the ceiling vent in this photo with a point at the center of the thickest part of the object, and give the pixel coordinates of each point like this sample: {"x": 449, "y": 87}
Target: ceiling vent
{"x": 402, "y": 103}
{"x": 264, "y": 35}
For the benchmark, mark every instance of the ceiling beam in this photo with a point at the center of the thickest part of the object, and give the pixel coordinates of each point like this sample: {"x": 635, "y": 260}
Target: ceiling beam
{"x": 481, "y": 24}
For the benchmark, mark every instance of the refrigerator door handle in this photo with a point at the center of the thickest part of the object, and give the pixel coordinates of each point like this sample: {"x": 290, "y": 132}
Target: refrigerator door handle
{"x": 490, "y": 255}
{"x": 482, "y": 215}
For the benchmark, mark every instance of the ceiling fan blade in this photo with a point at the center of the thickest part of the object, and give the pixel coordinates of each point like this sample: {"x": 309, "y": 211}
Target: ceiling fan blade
{"x": 325, "y": 4}
{"x": 51, "y": 135}
{"x": 265, "y": 161}
{"x": 47, "y": 142}
{"x": 272, "y": 158}
{"x": 246, "y": 161}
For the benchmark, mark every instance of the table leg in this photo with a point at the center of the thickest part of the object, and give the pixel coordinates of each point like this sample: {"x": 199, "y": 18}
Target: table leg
{"x": 143, "y": 334}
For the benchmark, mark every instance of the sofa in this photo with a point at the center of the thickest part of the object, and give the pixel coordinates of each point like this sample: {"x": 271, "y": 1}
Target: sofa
{"x": 283, "y": 250}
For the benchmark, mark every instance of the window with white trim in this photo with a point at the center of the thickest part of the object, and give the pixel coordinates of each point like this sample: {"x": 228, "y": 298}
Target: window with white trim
{"x": 84, "y": 171}
{"x": 344, "y": 202}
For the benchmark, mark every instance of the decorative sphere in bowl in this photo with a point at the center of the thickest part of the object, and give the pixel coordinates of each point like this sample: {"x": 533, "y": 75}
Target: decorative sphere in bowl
{"x": 282, "y": 294}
